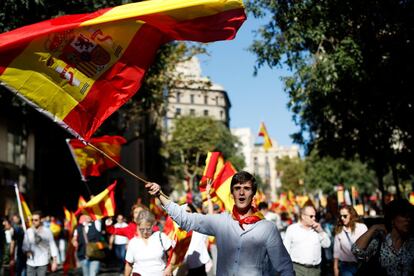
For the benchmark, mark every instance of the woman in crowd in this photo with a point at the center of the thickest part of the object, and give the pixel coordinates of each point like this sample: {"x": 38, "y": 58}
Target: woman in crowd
{"x": 130, "y": 230}
{"x": 147, "y": 251}
{"x": 347, "y": 231}
{"x": 390, "y": 246}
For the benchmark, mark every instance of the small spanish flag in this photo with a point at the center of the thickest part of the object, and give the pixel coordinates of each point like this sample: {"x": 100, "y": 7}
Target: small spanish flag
{"x": 267, "y": 141}
{"x": 180, "y": 237}
{"x": 90, "y": 161}
{"x": 27, "y": 214}
{"x": 101, "y": 205}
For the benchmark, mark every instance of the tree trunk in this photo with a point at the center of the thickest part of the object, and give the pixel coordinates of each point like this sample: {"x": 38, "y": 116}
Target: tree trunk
{"x": 379, "y": 171}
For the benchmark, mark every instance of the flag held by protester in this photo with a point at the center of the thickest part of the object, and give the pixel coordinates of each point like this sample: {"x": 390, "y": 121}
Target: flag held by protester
{"x": 214, "y": 163}
{"x": 101, "y": 205}
{"x": 90, "y": 161}
{"x": 221, "y": 185}
{"x": 27, "y": 214}
{"x": 180, "y": 237}
{"x": 78, "y": 69}
{"x": 267, "y": 144}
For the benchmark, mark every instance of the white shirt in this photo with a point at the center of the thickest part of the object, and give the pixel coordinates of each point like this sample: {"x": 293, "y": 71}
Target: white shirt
{"x": 304, "y": 244}
{"x": 342, "y": 246}
{"x": 40, "y": 242}
{"x": 148, "y": 258}
{"x": 240, "y": 252}
{"x": 197, "y": 253}
{"x": 118, "y": 239}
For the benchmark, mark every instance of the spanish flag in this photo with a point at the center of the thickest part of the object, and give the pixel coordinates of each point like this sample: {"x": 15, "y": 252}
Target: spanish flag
{"x": 214, "y": 163}
{"x": 101, "y": 205}
{"x": 181, "y": 239}
{"x": 78, "y": 69}
{"x": 27, "y": 214}
{"x": 221, "y": 185}
{"x": 81, "y": 202}
{"x": 267, "y": 141}
{"x": 91, "y": 162}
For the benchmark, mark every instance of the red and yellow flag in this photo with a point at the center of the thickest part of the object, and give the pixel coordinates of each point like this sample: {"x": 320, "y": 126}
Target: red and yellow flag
{"x": 81, "y": 202}
{"x": 78, "y": 69}
{"x": 214, "y": 163}
{"x": 156, "y": 209}
{"x": 221, "y": 185}
{"x": 263, "y": 132}
{"x": 101, "y": 205}
{"x": 27, "y": 214}
{"x": 181, "y": 238}
{"x": 90, "y": 161}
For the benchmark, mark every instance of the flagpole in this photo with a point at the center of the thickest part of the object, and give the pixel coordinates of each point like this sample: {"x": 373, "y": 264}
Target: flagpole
{"x": 19, "y": 206}
{"x": 121, "y": 166}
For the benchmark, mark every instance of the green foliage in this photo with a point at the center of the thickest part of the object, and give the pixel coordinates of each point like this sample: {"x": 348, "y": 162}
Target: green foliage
{"x": 325, "y": 173}
{"x": 191, "y": 139}
{"x": 292, "y": 173}
{"x": 352, "y": 65}
{"x": 315, "y": 173}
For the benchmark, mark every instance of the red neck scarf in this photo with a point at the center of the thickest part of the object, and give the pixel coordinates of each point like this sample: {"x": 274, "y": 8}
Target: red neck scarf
{"x": 249, "y": 219}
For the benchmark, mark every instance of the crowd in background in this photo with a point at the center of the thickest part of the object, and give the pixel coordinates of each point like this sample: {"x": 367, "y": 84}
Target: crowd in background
{"x": 318, "y": 242}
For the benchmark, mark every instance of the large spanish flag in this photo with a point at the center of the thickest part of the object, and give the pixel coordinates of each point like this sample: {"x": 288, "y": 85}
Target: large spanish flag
{"x": 90, "y": 161}
{"x": 101, "y": 205}
{"x": 78, "y": 69}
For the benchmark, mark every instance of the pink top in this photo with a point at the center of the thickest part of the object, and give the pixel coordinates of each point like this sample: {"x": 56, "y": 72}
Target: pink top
{"x": 342, "y": 246}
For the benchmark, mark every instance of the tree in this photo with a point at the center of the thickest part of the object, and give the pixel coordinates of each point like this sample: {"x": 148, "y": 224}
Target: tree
{"x": 292, "y": 174}
{"x": 327, "y": 172}
{"x": 352, "y": 64}
{"x": 191, "y": 139}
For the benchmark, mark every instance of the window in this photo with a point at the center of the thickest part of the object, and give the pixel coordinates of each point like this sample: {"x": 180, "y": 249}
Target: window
{"x": 177, "y": 111}
{"x": 178, "y": 97}
{"x": 221, "y": 114}
{"x": 192, "y": 111}
{"x": 192, "y": 99}
{"x": 205, "y": 99}
{"x": 15, "y": 149}
{"x": 217, "y": 100}
{"x": 205, "y": 112}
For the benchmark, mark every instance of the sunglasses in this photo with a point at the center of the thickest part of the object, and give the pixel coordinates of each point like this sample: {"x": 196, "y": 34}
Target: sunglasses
{"x": 344, "y": 216}
{"x": 35, "y": 219}
{"x": 145, "y": 229}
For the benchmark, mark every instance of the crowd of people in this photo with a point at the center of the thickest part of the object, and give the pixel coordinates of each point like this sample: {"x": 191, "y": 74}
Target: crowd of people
{"x": 249, "y": 240}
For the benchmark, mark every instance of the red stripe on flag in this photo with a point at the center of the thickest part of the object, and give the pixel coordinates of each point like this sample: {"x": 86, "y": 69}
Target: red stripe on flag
{"x": 190, "y": 29}
{"x": 125, "y": 78}
{"x": 25, "y": 34}
{"x": 102, "y": 208}
{"x": 7, "y": 57}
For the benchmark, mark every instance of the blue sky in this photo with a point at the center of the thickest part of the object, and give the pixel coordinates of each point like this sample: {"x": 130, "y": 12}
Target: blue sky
{"x": 253, "y": 99}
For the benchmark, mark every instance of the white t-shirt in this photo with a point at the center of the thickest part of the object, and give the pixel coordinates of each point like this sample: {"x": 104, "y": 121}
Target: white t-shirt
{"x": 197, "y": 253}
{"x": 148, "y": 258}
{"x": 118, "y": 239}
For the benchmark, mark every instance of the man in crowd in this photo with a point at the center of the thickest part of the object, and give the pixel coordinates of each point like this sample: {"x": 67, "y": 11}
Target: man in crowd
{"x": 39, "y": 245}
{"x": 304, "y": 240}
{"x": 247, "y": 244}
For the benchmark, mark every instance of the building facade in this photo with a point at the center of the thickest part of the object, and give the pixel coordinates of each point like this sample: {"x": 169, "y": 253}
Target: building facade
{"x": 262, "y": 162}
{"x": 196, "y": 96}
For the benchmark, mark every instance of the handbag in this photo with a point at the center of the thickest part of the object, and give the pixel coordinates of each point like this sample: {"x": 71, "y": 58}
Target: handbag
{"x": 95, "y": 250}
{"x": 373, "y": 265}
